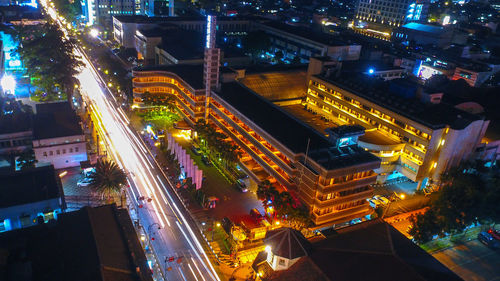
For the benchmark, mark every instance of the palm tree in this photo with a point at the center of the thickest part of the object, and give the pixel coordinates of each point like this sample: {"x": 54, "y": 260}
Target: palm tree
{"x": 107, "y": 179}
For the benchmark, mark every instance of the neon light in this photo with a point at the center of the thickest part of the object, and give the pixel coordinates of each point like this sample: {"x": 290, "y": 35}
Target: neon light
{"x": 8, "y": 84}
{"x": 209, "y": 35}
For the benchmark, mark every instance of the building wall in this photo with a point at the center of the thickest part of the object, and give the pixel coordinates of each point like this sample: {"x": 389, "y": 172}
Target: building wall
{"x": 145, "y": 46}
{"x": 15, "y": 142}
{"x": 422, "y": 152}
{"x": 20, "y": 216}
{"x": 61, "y": 152}
{"x": 391, "y": 12}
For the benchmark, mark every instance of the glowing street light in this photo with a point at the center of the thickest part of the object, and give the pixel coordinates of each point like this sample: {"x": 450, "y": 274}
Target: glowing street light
{"x": 8, "y": 84}
{"x": 94, "y": 32}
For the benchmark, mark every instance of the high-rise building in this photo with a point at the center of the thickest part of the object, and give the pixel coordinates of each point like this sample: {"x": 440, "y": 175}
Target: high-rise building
{"x": 377, "y": 17}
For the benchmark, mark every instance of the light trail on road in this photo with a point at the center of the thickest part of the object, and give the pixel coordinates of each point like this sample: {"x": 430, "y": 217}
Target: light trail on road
{"x": 145, "y": 178}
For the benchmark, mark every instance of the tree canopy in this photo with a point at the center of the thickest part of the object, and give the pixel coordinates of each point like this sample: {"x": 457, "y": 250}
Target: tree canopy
{"x": 256, "y": 42}
{"x": 469, "y": 195}
{"x": 108, "y": 178}
{"x": 49, "y": 60}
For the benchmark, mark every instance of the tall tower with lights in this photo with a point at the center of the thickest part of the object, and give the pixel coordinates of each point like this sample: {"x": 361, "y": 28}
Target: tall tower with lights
{"x": 211, "y": 62}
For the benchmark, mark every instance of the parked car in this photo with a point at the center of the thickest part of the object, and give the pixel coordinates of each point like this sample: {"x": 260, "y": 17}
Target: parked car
{"x": 195, "y": 149}
{"x": 374, "y": 202}
{"x": 382, "y": 199}
{"x": 241, "y": 185}
{"x": 83, "y": 182}
{"x": 205, "y": 160}
{"x": 494, "y": 233}
{"x": 488, "y": 240}
{"x": 116, "y": 51}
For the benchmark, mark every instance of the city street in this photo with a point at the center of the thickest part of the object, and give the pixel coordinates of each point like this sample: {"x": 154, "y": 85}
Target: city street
{"x": 171, "y": 231}
{"x": 472, "y": 261}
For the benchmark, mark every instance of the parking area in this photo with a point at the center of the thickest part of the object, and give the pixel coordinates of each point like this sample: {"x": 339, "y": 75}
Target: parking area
{"x": 77, "y": 196}
{"x": 472, "y": 261}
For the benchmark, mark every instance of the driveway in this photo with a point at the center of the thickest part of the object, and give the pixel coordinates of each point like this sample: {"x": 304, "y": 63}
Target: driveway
{"x": 472, "y": 261}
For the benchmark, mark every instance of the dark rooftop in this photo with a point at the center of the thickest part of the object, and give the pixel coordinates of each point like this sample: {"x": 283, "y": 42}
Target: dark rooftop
{"x": 364, "y": 66}
{"x": 157, "y": 31}
{"x": 146, "y": 19}
{"x": 289, "y": 131}
{"x": 435, "y": 116}
{"x": 183, "y": 44}
{"x": 98, "y": 244}
{"x": 53, "y": 120}
{"x": 308, "y": 33}
{"x": 377, "y": 250}
{"x": 16, "y": 122}
{"x": 29, "y": 186}
{"x": 372, "y": 250}
{"x": 287, "y": 243}
{"x": 282, "y": 126}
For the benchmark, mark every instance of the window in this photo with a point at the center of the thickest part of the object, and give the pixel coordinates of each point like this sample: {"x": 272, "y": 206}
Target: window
{"x": 71, "y": 150}
{"x": 76, "y": 149}
{"x": 58, "y": 152}
{"x": 282, "y": 262}
{"x": 51, "y": 153}
{"x": 45, "y": 153}
{"x": 64, "y": 151}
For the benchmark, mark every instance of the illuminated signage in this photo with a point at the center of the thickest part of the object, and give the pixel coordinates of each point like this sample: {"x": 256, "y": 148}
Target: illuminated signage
{"x": 427, "y": 72}
{"x": 209, "y": 31}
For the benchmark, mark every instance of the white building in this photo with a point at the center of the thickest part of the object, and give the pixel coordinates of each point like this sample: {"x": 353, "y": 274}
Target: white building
{"x": 58, "y": 137}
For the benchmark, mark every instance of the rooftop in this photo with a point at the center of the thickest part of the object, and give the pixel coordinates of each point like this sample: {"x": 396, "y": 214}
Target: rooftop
{"x": 307, "y": 33}
{"x": 29, "y": 186}
{"x": 281, "y": 85}
{"x": 434, "y": 116}
{"x": 183, "y": 44}
{"x": 373, "y": 248}
{"x": 364, "y": 66}
{"x": 54, "y": 120}
{"x": 287, "y": 243}
{"x": 424, "y": 27}
{"x": 90, "y": 244}
{"x": 15, "y": 123}
{"x": 289, "y": 130}
{"x": 146, "y": 19}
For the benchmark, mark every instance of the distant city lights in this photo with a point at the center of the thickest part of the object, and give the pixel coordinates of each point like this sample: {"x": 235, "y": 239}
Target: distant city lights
{"x": 371, "y": 71}
{"x": 94, "y": 32}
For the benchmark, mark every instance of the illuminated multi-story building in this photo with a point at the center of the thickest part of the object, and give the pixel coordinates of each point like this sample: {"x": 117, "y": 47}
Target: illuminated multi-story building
{"x": 377, "y": 17}
{"x": 414, "y": 134}
{"x": 332, "y": 176}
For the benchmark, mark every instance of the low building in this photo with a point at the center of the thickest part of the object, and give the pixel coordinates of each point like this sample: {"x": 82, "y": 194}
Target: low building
{"x": 423, "y": 34}
{"x": 475, "y": 74}
{"x": 30, "y": 197}
{"x": 98, "y": 244}
{"x": 305, "y": 43}
{"x": 371, "y": 250}
{"x": 58, "y": 137}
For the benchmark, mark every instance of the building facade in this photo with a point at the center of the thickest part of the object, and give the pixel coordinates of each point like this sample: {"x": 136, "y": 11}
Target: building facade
{"x": 414, "y": 139}
{"x": 58, "y": 137}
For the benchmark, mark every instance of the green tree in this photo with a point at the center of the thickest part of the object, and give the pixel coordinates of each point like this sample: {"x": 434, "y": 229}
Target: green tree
{"x": 108, "y": 179}
{"x": 70, "y": 9}
{"x": 425, "y": 226}
{"x": 49, "y": 60}
{"x": 27, "y": 160}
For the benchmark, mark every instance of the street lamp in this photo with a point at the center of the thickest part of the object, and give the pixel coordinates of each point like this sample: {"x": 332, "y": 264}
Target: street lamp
{"x": 8, "y": 84}
{"x": 94, "y": 32}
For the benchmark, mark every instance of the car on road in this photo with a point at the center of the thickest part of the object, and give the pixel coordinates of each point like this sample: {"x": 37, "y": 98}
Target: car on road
{"x": 116, "y": 51}
{"x": 84, "y": 182}
{"x": 488, "y": 240}
{"x": 382, "y": 199}
{"x": 205, "y": 160}
{"x": 241, "y": 185}
{"x": 195, "y": 149}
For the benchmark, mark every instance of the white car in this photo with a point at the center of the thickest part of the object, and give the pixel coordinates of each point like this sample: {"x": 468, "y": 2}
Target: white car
{"x": 83, "y": 182}
{"x": 382, "y": 199}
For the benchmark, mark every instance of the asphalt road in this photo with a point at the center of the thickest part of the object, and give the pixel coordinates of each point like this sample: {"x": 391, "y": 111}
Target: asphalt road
{"x": 472, "y": 261}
